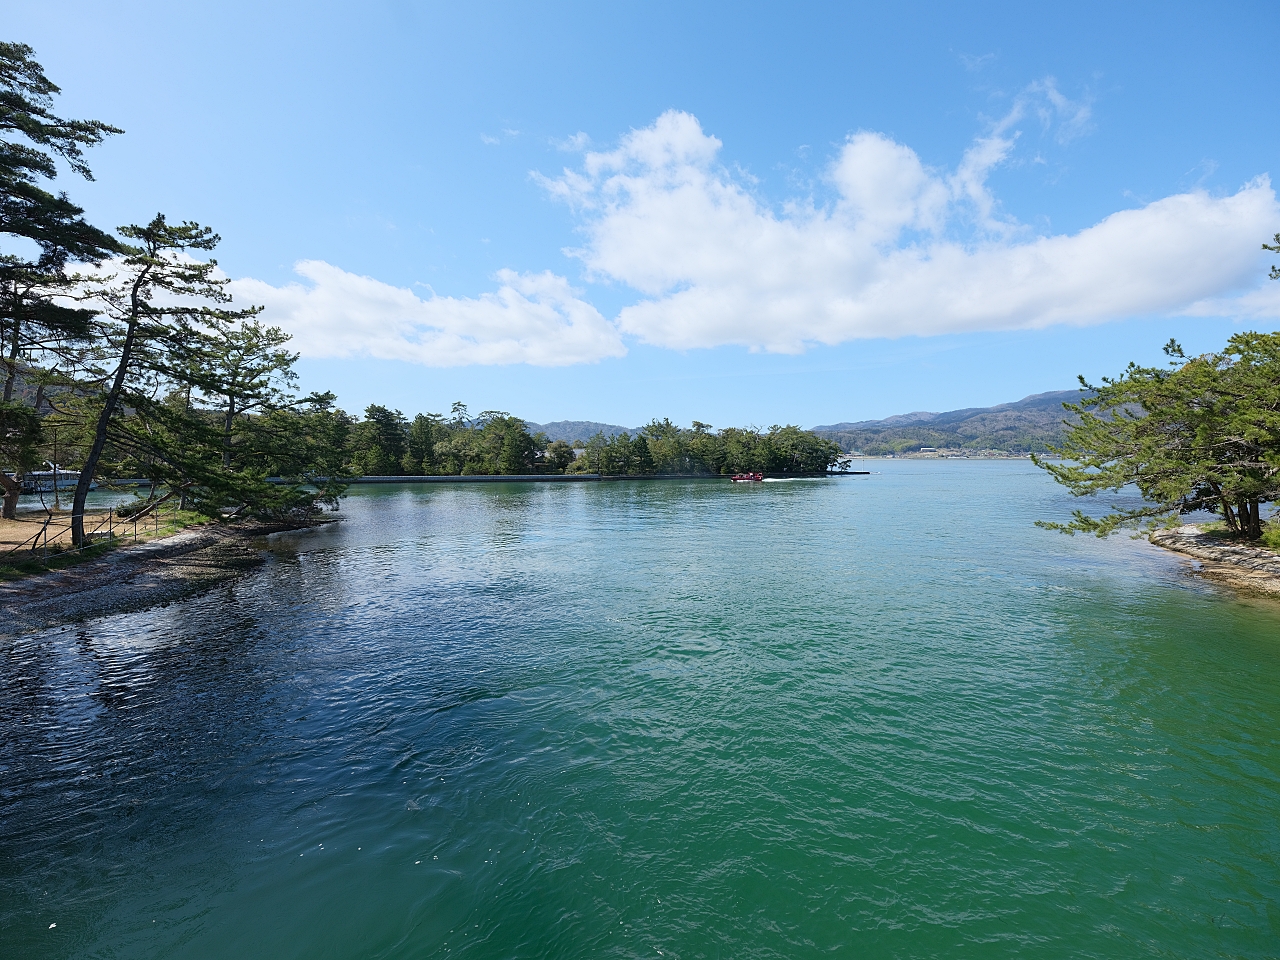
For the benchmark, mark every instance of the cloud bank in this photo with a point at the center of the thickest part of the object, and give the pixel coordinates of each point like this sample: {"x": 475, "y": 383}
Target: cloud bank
{"x": 886, "y": 258}
{"x": 899, "y": 249}
{"x": 532, "y": 318}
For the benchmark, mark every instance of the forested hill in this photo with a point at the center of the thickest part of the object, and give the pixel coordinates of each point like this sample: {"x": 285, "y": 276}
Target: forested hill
{"x": 571, "y": 430}
{"x": 1028, "y": 426}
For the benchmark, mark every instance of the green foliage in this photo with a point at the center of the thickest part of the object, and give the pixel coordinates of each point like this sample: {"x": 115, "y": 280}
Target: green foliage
{"x": 36, "y": 330}
{"x": 1271, "y": 536}
{"x": 20, "y": 436}
{"x": 664, "y": 448}
{"x": 379, "y": 442}
{"x": 303, "y": 444}
{"x": 424, "y": 433}
{"x": 493, "y": 443}
{"x": 196, "y": 396}
{"x": 32, "y": 140}
{"x": 496, "y": 443}
{"x": 26, "y": 102}
{"x": 240, "y": 367}
{"x": 518, "y": 448}
{"x": 384, "y": 443}
{"x": 559, "y": 456}
{"x": 1201, "y": 435}
{"x": 164, "y": 319}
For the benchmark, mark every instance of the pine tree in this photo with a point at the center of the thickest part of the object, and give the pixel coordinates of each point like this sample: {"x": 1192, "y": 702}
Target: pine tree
{"x": 38, "y": 334}
{"x": 155, "y": 312}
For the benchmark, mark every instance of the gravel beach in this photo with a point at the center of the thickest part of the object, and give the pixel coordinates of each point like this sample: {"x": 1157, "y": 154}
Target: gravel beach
{"x": 132, "y": 577}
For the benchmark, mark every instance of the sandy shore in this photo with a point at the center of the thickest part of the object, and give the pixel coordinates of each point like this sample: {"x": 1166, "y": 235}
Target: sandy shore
{"x": 1254, "y": 570}
{"x": 132, "y": 577}
{"x": 32, "y": 530}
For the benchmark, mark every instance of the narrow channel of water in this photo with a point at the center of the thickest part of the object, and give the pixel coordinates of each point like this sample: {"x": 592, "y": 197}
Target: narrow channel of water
{"x": 880, "y": 716}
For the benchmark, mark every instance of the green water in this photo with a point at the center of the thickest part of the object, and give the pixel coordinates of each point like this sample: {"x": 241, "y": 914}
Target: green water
{"x": 881, "y": 716}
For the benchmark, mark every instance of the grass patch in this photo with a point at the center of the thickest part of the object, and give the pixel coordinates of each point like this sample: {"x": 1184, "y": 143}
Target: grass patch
{"x": 171, "y": 522}
{"x": 58, "y": 559}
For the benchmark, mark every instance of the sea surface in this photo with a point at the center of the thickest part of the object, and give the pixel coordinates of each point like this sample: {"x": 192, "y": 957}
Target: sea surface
{"x": 878, "y": 716}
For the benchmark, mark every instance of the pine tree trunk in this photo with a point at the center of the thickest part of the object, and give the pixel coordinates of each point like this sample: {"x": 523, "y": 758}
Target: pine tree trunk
{"x": 1232, "y": 524}
{"x": 11, "y": 361}
{"x": 226, "y": 433}
{"x": 100, "y": 438}
{"x": 12, "y": 487}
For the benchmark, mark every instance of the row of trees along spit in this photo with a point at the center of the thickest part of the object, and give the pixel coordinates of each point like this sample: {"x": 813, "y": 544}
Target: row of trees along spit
{"x": 385, "y": 443}
{"x": 123, "y": 356}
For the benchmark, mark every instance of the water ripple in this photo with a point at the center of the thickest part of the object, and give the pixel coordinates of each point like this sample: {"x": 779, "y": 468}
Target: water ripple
{"x": 881, "y": 716}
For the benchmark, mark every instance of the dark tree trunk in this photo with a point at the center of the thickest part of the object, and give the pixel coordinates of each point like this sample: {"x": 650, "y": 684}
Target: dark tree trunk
{"x": 1230, "y": 514}
{"x": 226, "y": 433}
{"x": 12, "y": 487}
{"x": 100, "y": 438}
{"x": 11, "y": 361}
{"x": 182, "y": 501}
{"x": 1255, "y": 520}
{"x": 108, "y": 409}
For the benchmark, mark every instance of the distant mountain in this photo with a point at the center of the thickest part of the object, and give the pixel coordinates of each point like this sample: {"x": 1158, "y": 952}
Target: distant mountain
{"x": 571, "y": 430}
{"x": 1030, "y": 425}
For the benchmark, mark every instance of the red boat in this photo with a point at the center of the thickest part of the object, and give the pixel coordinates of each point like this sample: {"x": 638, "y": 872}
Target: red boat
{"x": 748, "y": 478}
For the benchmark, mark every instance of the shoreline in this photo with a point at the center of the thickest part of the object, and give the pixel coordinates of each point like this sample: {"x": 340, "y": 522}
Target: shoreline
{"x": 574, "y": 477}
{"x": 1243, "y": 568}
{"x": 133, "y": 577}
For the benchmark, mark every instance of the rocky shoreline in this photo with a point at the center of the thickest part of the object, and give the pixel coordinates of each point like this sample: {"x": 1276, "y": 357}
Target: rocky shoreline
{"x": 133, "y": 577}
{"x": 1247, "y": 569}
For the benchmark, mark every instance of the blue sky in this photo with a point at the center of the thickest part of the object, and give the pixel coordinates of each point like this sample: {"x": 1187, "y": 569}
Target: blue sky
{"x": 740, "y": 213}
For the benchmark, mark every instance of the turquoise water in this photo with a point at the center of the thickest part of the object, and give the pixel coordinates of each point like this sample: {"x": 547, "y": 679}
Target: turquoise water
{"x": 881, "y": 716}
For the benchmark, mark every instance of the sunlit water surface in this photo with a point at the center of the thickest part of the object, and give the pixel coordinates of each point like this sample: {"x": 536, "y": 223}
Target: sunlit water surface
{"x": 881, "y": 716}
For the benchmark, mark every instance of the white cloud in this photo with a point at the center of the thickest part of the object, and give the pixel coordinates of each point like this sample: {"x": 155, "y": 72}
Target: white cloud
{"x": 574, "y": 144}
{"x": 1261, "y": 303}
{"x": 717, "y": 266}
{"x": 900, "y": 249}
{"x": 1074, "y": 116}
{"x": 532, "y": 318}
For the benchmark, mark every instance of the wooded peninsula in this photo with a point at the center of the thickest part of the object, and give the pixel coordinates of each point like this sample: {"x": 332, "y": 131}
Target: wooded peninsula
{"x": 124, "y": 357}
